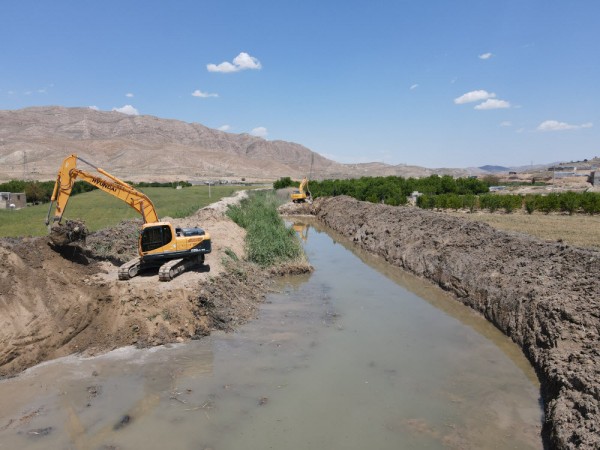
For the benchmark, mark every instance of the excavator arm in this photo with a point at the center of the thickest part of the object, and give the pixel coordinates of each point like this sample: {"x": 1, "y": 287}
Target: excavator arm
{"x": 69, "y": 173}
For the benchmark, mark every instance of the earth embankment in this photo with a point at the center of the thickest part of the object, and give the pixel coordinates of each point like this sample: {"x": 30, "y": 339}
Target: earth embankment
{"x": 58, "y": 301}
{"x": 545, "y": 296}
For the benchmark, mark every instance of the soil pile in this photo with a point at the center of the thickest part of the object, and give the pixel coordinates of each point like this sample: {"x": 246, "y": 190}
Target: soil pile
{"x": 545, "y": 296}
{"x": 56, "y": 301}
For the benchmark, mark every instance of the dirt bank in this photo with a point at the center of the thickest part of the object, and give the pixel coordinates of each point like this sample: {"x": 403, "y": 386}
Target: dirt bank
{"x": 53, "y": 304}
{"x": 545, "y": 296}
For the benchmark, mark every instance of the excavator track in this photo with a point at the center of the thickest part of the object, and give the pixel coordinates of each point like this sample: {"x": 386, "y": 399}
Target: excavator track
{"x": 171, "y": 269}
{"x": 130, "y": 269}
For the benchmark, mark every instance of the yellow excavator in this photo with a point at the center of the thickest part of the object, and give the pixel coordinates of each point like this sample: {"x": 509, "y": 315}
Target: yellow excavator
{"x": 173, "y": 250}
{"x": 302, "y": 194}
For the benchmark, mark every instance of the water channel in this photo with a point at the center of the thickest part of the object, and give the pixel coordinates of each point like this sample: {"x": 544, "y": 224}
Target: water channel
{"x": 356, "y": 355}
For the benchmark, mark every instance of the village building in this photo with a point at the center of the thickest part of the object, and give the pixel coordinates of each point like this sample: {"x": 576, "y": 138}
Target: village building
{"x": 11, "y": 200}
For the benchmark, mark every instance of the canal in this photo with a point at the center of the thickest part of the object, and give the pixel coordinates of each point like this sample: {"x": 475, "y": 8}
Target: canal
{"x": 355, "y": 355}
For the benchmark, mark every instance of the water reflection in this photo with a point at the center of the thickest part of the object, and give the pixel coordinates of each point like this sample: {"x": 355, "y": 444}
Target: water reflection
{"x": 301, "y": 229}
{"x": 344, "y": 358}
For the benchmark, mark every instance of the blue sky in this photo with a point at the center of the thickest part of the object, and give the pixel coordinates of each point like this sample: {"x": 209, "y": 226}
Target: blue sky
{"x": 434, "y": 83}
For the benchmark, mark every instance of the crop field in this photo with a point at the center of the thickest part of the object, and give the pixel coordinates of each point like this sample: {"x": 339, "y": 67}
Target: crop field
{"x": 100, "y": 210}
{"x": 579, "y": 230}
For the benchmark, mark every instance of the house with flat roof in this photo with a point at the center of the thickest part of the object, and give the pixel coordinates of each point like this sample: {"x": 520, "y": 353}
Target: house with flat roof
{"x": 12, "y": 200}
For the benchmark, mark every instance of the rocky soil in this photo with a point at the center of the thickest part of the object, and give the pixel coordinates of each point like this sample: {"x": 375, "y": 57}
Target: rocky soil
{"x": 58, "y": 301}
{"x": 545, "y": 296}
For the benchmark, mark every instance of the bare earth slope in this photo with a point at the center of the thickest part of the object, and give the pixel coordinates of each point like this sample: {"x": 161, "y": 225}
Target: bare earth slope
{"x": 53, "y": 304}
{"x": 544, "y": 296}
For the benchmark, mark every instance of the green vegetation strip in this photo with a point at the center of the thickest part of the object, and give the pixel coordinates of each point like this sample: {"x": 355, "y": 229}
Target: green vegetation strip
{"x": 268, "y": 240}
{"x": 446, "y": 192}
{"x": 394, "y": 190}
{"x": 100, "y": 210}
{"x": 565, "y": 202}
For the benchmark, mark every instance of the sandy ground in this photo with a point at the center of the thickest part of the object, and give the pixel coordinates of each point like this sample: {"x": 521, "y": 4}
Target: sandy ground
{"x": 545, "y": 296}
{"x": 53, "y": 304}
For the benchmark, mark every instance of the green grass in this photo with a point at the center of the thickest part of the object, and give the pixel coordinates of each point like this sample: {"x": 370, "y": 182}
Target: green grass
{"x": 268, "y": 240}
{"x": 100, "y": 210}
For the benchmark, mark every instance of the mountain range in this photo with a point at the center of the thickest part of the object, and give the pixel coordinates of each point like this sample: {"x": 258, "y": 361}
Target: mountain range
{"x": 34, "y": 141}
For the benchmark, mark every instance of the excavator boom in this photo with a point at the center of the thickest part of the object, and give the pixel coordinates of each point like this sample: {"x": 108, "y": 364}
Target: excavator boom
{"x": 69, "y": 173}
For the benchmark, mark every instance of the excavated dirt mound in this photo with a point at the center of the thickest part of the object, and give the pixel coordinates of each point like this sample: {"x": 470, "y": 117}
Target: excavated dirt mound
{"x": 545, "y": 296}
{"x": 55, "y": 301}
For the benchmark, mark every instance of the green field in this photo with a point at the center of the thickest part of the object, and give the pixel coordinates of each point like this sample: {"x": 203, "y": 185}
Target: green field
{"x": 100, "y": 210}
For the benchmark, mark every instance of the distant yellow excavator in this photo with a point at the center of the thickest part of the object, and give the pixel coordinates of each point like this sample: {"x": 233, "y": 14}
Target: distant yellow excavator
{"x": 173, "y": 250}
{"x": 302, "y": 194}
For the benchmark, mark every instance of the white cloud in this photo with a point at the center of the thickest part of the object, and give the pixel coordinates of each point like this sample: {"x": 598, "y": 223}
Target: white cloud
{"x": 506, "y": 123}
{"x": 242, "y": 61}
{"x": 474, "y": 96}
{"x": 199, "y": 93}
{"x": 129, "y": 94}
{"x": 555, "y": 125}
{"x": 486, "y": 55}
{"x": 414, "y": 86}
{"x": 224, "y": 128}
{"x": 127, "y": 109}
{"x": 259, "y": 131}
{"x": 95, "y": 108}
{"x": 492, "y": 103}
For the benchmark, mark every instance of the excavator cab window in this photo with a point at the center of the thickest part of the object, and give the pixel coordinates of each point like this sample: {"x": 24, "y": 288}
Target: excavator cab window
{"x": 155, "y": 237}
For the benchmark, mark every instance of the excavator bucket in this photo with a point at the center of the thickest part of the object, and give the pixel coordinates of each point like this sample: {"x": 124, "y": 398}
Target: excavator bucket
{"x": 71, "y": 232}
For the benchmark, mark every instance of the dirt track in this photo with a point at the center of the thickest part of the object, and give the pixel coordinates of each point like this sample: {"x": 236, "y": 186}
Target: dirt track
{"x": 54, "y": 304}
{"x": 545, "y": 296}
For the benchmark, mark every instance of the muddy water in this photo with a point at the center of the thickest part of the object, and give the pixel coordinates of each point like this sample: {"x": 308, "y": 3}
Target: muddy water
{"x": 355, "y": 356}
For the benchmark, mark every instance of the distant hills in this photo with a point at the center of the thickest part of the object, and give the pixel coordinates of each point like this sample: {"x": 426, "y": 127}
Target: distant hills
{"x": 34, "y": 141}
{"x": 494, "y": 169}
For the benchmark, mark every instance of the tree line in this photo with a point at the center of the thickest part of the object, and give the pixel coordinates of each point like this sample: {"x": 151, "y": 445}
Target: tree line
{"x": 394, "y": 190}
{"x": 566, "y": 202}
{"x": 41, "y": 191}
{"x": 446, "y": 192}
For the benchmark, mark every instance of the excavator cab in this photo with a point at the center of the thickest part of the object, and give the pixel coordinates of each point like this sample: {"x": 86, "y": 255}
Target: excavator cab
{"x": 155, "y": 236}
{"x": 160, "y": 241}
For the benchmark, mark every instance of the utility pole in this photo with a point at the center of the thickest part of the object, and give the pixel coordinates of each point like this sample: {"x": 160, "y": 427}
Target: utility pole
{"x": 25, "y": 165}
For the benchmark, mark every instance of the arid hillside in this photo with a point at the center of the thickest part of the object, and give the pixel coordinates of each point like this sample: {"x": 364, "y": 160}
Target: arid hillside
{"x": 33, "y": 142}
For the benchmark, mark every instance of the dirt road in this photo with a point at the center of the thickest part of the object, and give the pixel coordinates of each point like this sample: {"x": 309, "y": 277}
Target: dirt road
{"x": 545, "y": 296}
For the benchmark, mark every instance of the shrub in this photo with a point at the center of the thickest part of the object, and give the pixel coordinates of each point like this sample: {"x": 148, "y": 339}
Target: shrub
{"x": 490, "y": 201}
{"x": 268, "y": 240}
{"x": 548, "y": 203}
{"x": 469, "y": 201}
{"x": 530, "y": 203}
{"x": 590, "y": 202}
{"x": 282, "y": 183}
{"x": 510, "y": 202}
{"x": 569, "y": 202}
